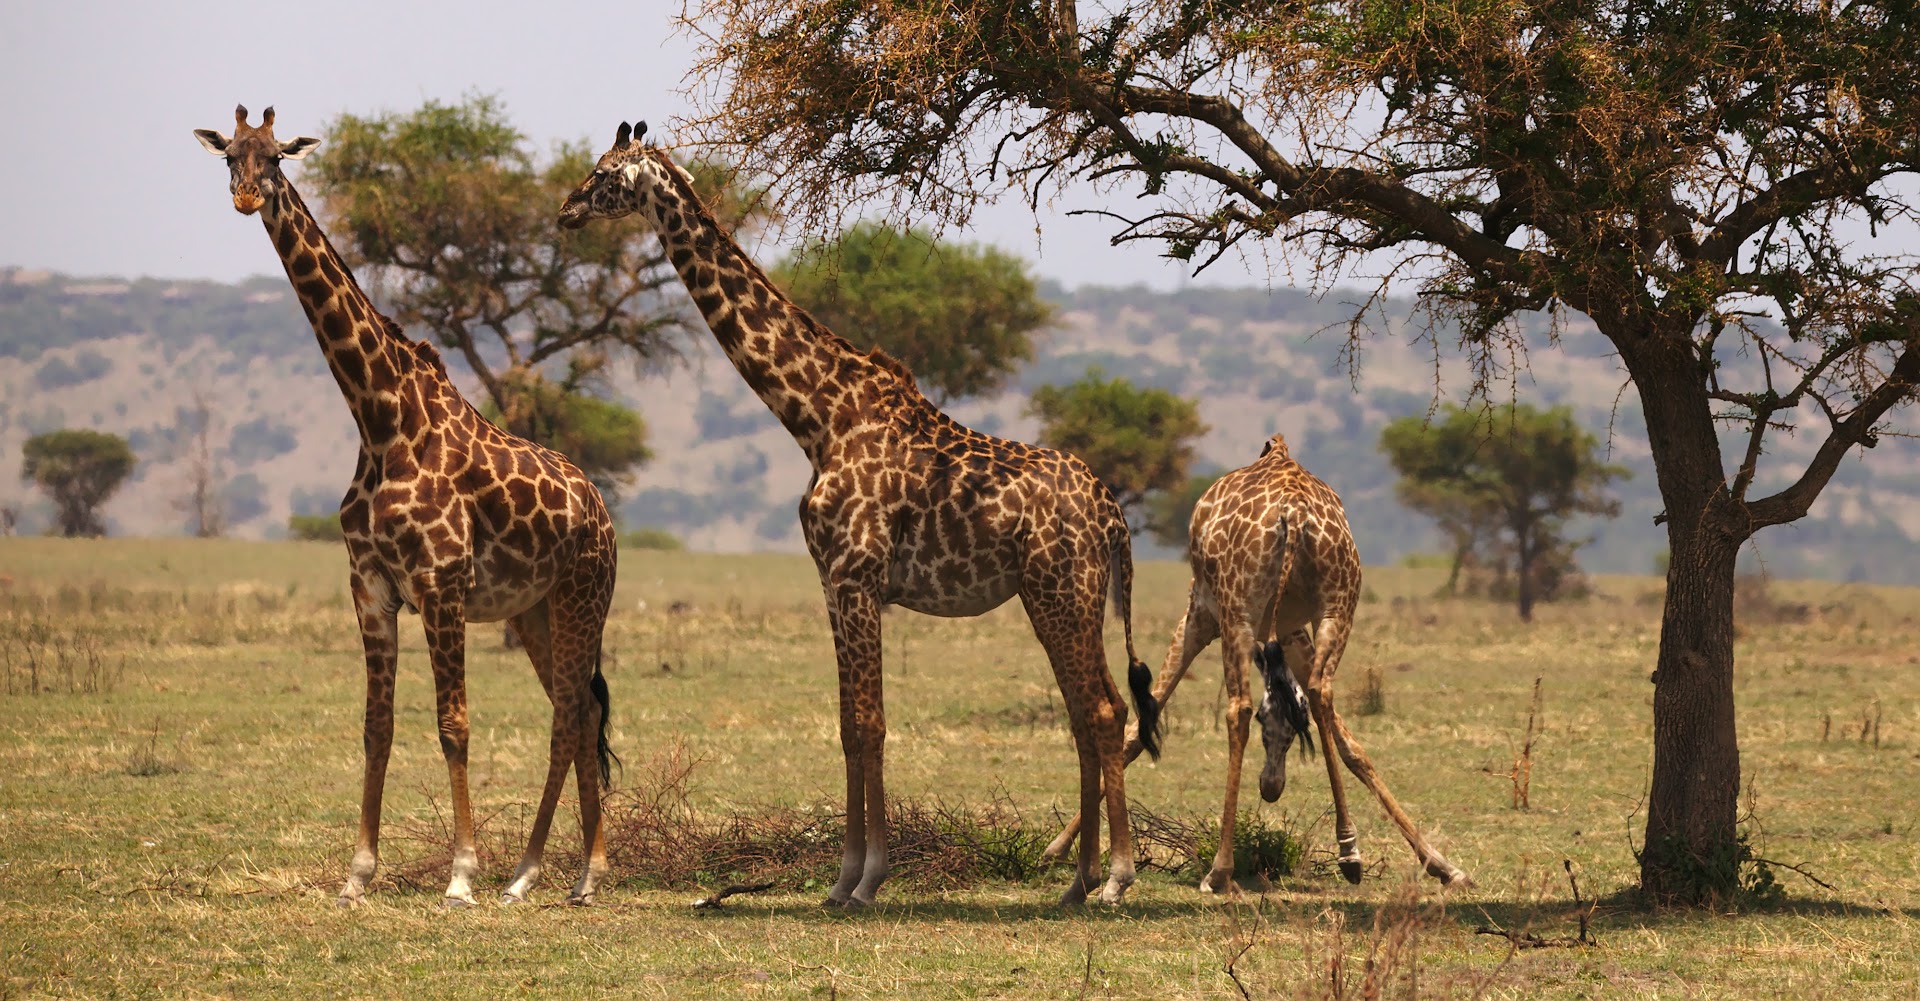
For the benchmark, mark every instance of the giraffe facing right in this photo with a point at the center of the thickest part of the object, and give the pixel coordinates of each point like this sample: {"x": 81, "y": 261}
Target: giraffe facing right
{"x": 1272, "y": 553}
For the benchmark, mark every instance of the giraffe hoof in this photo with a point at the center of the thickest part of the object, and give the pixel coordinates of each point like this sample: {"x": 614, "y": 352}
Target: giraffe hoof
{"x": 455, "y": 903}
{"x": 510, "y": 898}
{"x": 1352, "y": 870}
{"x": 345, "y": 902}
{"x": 1454, "y": 879}
{"x": 579, "y": 900}
{"x": 1076, "y": 895}
{"x": 1219, "y": 881}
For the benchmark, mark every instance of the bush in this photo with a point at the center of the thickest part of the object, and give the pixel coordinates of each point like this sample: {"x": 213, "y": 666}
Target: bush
{"x": 651, "y": 538}
{"x": 315, "y": 527}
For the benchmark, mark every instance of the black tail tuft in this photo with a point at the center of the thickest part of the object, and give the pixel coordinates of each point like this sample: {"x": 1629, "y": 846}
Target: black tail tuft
{"x": 1284, "y": 692}
{"x": 1140, "y": 680}
{"x": 607, "y": 758}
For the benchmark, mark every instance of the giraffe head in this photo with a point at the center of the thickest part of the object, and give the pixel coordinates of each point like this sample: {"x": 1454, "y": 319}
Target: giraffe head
{"x": 1282, "y": 716}
{"x": 253, "y": 158}
{"x": 631, "y": 177}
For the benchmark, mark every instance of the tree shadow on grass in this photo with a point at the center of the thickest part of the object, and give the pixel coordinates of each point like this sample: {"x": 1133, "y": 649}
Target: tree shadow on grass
{"x": 1616, "y": 912}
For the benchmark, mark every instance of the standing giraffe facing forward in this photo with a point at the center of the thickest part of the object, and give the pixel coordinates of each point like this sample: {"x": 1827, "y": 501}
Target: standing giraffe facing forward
{"x": 452, "y": 518}
{"x": 907, "y": 507}
{"x": 1272, "y": 554}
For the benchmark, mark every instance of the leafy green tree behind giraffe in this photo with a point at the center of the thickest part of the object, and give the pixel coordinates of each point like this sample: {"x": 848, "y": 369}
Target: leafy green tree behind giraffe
{"x": 961, "y": 316}
{"x": 1138, "y": 441}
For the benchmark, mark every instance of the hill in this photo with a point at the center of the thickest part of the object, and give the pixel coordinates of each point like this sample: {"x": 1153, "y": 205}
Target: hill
{"x": 127, "y": 355}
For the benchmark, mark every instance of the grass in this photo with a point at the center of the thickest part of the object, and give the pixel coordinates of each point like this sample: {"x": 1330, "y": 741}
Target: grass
{"x": 176, "y": 811}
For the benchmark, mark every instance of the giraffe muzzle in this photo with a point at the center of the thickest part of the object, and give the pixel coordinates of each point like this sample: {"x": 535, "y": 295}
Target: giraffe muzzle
{"x": 247, "y": 202}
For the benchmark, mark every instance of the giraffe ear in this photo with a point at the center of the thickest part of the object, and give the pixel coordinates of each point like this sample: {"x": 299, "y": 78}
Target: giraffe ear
{"x": 620, "y": 137}
{"x": 639, "y": 131}
{"x": 213, "y": 141}
{"x": 299, "y": 148}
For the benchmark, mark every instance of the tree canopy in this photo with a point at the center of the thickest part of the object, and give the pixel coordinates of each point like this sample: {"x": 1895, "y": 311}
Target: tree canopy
{"x": 961, "y": 316}
{"x": 79, "y": 469}
{"x": 1170, "y": 512}
{"x": 448, "y": 215}
{"x": 1503, "y": 484}
{"x": 1139, "y": 441}
{"x": 1723, "y": 187}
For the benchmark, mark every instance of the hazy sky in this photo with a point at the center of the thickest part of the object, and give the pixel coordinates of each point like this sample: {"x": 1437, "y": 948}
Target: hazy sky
{"x": 103, "y": 175}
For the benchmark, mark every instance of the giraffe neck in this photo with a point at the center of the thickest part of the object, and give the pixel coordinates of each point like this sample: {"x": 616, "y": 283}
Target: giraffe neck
{"x": 801, "y": 370}
{"x": 368, "y": 356}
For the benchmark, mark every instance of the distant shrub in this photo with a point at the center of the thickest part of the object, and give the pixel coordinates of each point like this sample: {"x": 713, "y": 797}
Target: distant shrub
{"x": 58, "y": 373}
{"x": 260, "y": 439}
{"x": 651, "y": 538}
{"x": 315, "y": 527}
{"x": 244, "y": 498}
{"x": 1426, "y": 561}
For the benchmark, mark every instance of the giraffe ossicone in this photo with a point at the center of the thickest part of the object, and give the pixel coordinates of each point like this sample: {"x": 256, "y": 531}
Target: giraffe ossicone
{"x": 906, "y": 507}
{"x": 1272, "y": 557}
{"x": 453, "y": 518}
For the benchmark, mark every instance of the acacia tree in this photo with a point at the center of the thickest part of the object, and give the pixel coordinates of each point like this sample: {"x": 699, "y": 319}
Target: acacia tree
{"x": 1687, "y": 175}
{"x": 449, "y": 216}
{"x": 1138, "y": 441}
{"x": 961, "y": 316}
{"x": 1511, "y": 476}
{"x": 79, "y": 469}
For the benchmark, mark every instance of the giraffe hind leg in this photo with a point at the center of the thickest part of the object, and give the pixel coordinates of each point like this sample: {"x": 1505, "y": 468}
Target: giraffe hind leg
{"x": 1196, "y": 630}
{"x": 533, "y": 628}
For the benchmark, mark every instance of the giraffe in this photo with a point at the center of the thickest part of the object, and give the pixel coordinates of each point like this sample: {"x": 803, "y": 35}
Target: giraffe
{"x": 907, "y": 507}
{"x": 452, "y": 518}
{"x": 1272, "y": 554}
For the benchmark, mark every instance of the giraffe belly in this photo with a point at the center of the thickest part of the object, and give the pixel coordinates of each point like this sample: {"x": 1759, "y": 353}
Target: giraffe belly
{"x": 930, "y": 593}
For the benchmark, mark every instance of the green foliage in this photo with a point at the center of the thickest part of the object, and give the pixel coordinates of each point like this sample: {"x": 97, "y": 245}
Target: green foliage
{"x": 658, "y": 539}
{"x": 960, "y": 316}
{"x": 522, "y": 297}
{"x": 1138, "y": 441}
{"x": 315, "y": 527}
{"x": 1728, "y": 874}
{"x": 1260, "y": 848}
{"x": 1170, "y": 512}
{"x": 1503, "y": 484}
{"x": 606, "y": 440}
{"x": 79, "y": 469}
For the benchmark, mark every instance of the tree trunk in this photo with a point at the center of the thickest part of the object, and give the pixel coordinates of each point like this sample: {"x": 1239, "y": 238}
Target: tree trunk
{"x": 1691, "y": 853}
{"x": 1524, "y": 583}
{"x": 1691, "y": 849}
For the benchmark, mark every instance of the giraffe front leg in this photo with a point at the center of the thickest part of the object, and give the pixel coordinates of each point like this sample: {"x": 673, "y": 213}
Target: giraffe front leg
{"x": 855, "y": 617}
{"x": 379, "y": 636}
{"x": 443, "y": 615}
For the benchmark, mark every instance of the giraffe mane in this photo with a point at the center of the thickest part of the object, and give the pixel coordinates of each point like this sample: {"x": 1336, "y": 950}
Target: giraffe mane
{"x": 683, "y": 182}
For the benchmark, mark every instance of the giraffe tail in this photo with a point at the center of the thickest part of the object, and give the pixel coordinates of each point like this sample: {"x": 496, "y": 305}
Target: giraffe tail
{"x": 1139, "y": 675}
{"x": 598, "y": 686}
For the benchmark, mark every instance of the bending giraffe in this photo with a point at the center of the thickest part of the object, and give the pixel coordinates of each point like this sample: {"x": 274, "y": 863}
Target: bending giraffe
{"x": 1272, "y": 554}
{"x": 452, "y": 518}
{"x": 907, "y": 507}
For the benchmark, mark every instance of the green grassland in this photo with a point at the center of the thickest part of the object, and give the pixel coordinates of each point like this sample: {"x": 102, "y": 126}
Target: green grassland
{"x": 177, "y": 800}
